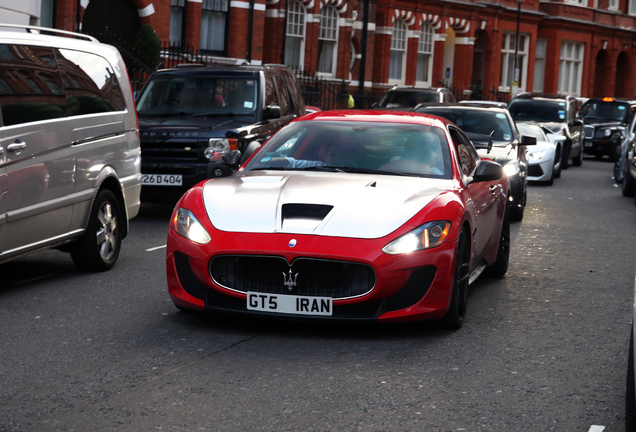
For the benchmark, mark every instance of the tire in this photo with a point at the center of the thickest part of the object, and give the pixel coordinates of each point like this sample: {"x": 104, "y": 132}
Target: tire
{"x": 98, "y": 248}
{"x": 500, "y": 266}
{"x": 557, "y": 172}
{"x": 567, "y": 145}
{"x": 516, "y": 213}
{"x": 628, "y": 186}
{"x": 456, "y": 314}
{"x": 630, "y": 393}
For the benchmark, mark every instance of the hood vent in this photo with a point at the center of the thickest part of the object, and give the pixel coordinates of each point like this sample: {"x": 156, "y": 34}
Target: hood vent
{"x": 303, "y": 217}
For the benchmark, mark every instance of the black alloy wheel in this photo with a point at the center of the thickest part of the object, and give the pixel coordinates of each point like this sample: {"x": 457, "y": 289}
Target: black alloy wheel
{"x": 500, "y": 266}
{"x": 454, "y": 318}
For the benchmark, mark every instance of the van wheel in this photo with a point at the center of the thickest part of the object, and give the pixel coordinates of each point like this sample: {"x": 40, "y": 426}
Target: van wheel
{"x": 98, "y": 248}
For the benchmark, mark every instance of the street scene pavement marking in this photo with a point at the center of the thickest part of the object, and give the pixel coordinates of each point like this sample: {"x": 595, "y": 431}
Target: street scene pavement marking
{"x": 155, "y": 248}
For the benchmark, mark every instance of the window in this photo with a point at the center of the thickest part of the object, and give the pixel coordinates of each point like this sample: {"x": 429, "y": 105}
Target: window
{"x": 295, "y": 35}
{"x": 328, "y": 40}
{"x": 425, "y": 55}
{"x": 632, "y": 7}
{"x": 577, "y": 2}
{"x": 271, "y": 98}
{"x": 507, "y": 75}
{"x": 612, "y": 5}
{"x": 539, "y": 65}
{"x": 214, "y": 16}
{"x": 398, "y": 51}
{"x": 283, "y": 96}
{"x": 571, "y": 67}
{"x": 467, "y": 155}
{"x": 177, "y": 15}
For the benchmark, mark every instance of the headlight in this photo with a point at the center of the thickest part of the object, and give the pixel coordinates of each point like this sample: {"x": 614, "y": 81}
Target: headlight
{"x": 429, "y": 235}
{"x": 187, "y": 225}
{"x": 537, "y": 154}
{"x": 219, "y": 146}
{"x": 511, "y": 168}
{"x": 607, "y": 132}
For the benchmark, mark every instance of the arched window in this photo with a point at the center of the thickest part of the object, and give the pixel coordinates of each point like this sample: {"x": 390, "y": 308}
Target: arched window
{"x": 328, "y": 40}
{"x": 397, "y": 67}
{"x": 295, "y": 35}
{"x": 425, "y": 55}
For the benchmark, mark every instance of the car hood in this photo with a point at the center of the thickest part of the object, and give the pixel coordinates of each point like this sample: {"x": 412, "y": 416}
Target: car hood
{"x": 501, "y": 155}
{"x": 200, "y": 123}
{"x": 601, "y": 123}
{"x": 553, "y": 126}
{"x": 327, "y": 204}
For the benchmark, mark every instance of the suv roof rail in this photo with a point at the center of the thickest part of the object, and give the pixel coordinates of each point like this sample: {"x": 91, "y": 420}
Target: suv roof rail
{"x": 188, "y": 65}
{"x": 50, "y": 31}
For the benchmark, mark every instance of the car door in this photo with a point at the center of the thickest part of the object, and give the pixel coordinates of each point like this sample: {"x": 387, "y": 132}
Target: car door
{"x": 38, "y": 159}
{"x": 483, "y": 197}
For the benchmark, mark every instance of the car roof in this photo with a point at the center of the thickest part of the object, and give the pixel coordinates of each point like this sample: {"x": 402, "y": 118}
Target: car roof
{"x": 465, "y": 107}
{"x": 224, "y": 69}
{"x": 418, "y": 89}
{"x": 384, "y": 116}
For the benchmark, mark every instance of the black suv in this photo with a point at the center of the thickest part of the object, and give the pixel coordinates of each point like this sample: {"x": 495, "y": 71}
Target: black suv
{"x": 191, "y": 117}
{"x": 506, "y": 146}
{"x": 407, "y": 98}
{"x": 558, "y": 114}
{"x": 605, "y": 122}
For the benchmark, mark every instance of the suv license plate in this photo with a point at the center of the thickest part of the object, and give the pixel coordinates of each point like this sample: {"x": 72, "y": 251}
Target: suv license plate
{"x": 161, "y": 179}
{"x": 289, "y": 304}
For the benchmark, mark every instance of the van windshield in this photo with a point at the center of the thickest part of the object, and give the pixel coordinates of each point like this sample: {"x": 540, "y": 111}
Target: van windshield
{"x": 198, "y": 95}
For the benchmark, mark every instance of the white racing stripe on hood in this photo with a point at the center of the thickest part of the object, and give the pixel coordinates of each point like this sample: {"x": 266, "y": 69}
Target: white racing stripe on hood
{"x": 364, "y": 206}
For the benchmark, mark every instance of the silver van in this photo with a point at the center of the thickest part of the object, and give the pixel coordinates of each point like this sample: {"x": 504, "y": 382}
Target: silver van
{"x": 69, "y": 146}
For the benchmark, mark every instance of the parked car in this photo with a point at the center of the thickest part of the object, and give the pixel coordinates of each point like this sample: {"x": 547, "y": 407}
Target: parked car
{"x": 557, "y": 113}
{"x": 630, "y": 393}
{"x": 509, "y": 147}
{"x": 353, "y": 215}
{"x": 190, "y": 116}
{"x": 628, "y": 186}
{"x": 406, "y": 98}
{"x": 69, "y": 146}
{"x": 544, "y": 158}
{"x": 620, "y": 165}
{"x": 606, "y": 121}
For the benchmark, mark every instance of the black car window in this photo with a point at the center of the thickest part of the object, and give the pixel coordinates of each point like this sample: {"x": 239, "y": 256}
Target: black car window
{"x": 32, "y": 87}
{"x": 91, "y": 84}
{"x": 466, "y": 152}
{"x": 283, "y": 96}
{"x": 597, "y": 111}
{"x": 271, "y": 98}
{"x": 484, "y": 122}
{"x": 539, "y": 110}
{"x": 296, "y": 95}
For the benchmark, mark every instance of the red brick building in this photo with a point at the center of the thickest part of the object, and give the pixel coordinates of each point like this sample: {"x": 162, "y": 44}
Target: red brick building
{"x": 581, "y": 47}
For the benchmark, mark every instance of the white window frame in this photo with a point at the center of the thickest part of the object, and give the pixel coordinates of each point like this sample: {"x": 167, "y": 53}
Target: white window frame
{"x": 507, "y": 55}
{"x": 397, "y": 58}
{"x": 571, "y": 67}
{"x": 540, "y": 57}
{"x": 632, "y": 7}
{"x": 296, "y": 28}
{"x": 576, "y": 2}
{"x": 425, "y": 47}
{"x": 328, "y": 33}
{"x": 612, "y": 5}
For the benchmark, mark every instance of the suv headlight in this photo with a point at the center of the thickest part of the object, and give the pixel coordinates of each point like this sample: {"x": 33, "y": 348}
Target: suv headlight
{"x": 217, "y": 147}
{"x": 512, "y": 168}
{"x": 187, "y": 225}
{"x": 427, "y": 236}
{"x": 607, "y": 132}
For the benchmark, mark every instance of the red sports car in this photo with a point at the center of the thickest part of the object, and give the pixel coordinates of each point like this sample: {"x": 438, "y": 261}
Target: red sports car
{"x": 351, "y": 215}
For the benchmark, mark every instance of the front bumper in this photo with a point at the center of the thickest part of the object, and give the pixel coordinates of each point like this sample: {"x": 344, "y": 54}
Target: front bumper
{"x": 597, "y": 146}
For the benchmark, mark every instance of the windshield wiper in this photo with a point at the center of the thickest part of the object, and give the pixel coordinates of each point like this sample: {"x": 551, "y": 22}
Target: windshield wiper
{"x": 215, "y": 114}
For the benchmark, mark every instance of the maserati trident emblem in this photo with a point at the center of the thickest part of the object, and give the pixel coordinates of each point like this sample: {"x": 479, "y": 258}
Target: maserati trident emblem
{"x": 290, "y": 282}
{"x": 292, "y": 243}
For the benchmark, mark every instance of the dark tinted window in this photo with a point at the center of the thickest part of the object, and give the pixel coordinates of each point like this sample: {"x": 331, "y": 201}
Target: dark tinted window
{"x": 484, "y": 122}
{"x": 403, "y": 99}
{"x": 283, "y": 99}
{"x": 91, "y": 84}
{"x": 538, "y": 110}
{"x": 31, "y": 89}
{"x": 270, "y": 92}
{"x": 296, "y": 95}
{"x": 596, "y": 111}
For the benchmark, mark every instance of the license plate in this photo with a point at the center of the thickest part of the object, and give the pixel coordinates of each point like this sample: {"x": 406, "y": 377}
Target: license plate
{"x": 161, "y": 179}
{"x": 289, "y": 304}
{"x": 589, "y": 144}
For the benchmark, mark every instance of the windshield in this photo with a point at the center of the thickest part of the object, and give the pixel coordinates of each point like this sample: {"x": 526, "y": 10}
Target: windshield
{"x": 484, "y": 122}
{"x": 358, "y": 147}
{"x": 532, "y": 130}
{"x": 595, "y": 111}
{"x": 537, "y": 110}
{"x": 405, "y": 99}
{"x": 170, "y": 95}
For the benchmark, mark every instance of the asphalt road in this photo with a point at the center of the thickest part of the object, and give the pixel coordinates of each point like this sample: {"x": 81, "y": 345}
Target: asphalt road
{"x": 544, "y": 349}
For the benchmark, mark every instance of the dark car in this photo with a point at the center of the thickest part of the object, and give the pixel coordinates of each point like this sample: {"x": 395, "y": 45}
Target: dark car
{"x": 605, "y": 123}
{"x": 407, "y": 98}
{"x": 557, "y": 113}
{"x": 508, "y": 149}
{"x": 190, "y": 117}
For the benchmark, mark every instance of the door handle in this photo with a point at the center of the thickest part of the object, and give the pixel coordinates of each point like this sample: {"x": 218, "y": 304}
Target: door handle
{"x": 17, "y": 146}
{"x": 493, "y": 188}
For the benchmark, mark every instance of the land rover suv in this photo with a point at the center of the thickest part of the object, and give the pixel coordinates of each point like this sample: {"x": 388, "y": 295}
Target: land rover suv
{"x": 190, "y": 117}
{"x": 69, "y": 146}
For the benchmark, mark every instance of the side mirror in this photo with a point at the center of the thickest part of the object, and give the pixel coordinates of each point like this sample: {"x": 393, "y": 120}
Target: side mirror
{"x": 232, "y": 159}
{"x": 249, "y": 150}
{"x": 487, "y": 171}
{"x": 272, "y": 112}
{"x": 528, "y": 140}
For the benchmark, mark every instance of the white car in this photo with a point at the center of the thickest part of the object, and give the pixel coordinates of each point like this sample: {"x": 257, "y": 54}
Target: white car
{"x": 544, "y": 158}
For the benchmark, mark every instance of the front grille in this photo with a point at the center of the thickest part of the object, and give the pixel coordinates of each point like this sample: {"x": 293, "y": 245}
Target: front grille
{"x": 535, "y": 170}
{"x": 313, "y": 277}
{"x": 170, "y": 151}
{"x": 589, "y": 131}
